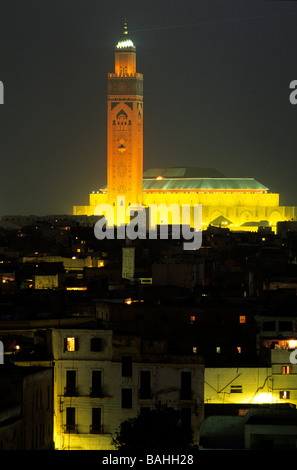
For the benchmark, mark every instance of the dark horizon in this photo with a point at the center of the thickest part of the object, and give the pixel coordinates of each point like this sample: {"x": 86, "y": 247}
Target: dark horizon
{"x": 216, "y": 94}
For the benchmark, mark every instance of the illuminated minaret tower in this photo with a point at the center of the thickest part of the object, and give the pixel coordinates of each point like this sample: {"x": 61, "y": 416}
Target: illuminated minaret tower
{"x": 125, "y": 126}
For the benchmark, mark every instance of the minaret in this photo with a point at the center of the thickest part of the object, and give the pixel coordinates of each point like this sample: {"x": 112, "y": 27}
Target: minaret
{"x": 125, "y": 126}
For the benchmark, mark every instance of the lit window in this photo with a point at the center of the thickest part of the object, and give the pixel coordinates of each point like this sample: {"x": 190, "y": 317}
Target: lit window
{"x": 70, "y": 344}
{"x": 292, "y": 343}
{"x": 192, "y": 318}
{"x": 286, "y": 370}
{"x": 218, "y": 349}
{"x": 239, "y": 349}
{"x": 242, "y": 412}
{"x": 284, "y": 394}
{"x": 242, "y": 318}
{"x": 195, "y": 350}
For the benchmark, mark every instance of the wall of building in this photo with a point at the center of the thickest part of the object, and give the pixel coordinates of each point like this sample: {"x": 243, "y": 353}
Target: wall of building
{"x": 11, "y": 428}
{"x": 253, "y": 385}
{"x": 236, "y": 207}
{"x": 31, "y": 389}
{"x": 237, "y": 385}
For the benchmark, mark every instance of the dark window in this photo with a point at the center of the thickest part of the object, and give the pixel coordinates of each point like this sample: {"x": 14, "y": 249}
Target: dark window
{"x": 96, "y": 344}
{"x": 127, "y": 366}
{"x": 96, "y": 383}
{"x": 186, "y": 385}
{"x": 70, "y": 382}
{"x": 126, "y": 398}
{"x": 236, "y": 389}
{"x": 70, "y": 419}
{"x": 145, "y": 384}
{"x": 285, "y": 325}
{"x": 96, "y": 420}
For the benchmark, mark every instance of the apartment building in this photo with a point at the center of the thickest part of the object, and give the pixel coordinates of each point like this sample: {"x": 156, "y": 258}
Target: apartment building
{"x": 102, "y": 379}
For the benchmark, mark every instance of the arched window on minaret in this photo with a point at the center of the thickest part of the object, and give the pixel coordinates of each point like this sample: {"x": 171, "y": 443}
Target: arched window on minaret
{"x": 122, "y": 123}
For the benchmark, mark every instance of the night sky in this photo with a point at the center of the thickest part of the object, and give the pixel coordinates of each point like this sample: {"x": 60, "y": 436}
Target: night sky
{"x": 216, "y": 93}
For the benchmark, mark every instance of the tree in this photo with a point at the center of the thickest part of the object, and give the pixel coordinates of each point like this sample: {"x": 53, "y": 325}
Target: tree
{"x": 155, "y": 430}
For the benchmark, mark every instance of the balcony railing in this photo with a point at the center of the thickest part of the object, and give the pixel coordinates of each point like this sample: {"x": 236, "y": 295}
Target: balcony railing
{"x": 70, "y": 391}
{"x": 99, "y": 393}
{"x": 70, "y": 428}
{"x": 96, "y": 429}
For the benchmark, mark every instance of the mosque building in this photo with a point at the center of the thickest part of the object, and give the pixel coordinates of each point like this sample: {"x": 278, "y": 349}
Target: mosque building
{"x": 236, "y": 203}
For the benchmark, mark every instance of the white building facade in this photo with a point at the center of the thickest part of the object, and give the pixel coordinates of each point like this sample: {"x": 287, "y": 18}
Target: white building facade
{"x": 101, "y": 379}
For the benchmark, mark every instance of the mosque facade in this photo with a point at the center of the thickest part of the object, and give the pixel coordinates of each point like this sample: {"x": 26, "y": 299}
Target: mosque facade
{"x": 236, "y": 203}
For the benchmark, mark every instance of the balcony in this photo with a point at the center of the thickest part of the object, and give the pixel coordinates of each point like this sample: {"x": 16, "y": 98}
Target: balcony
{"x": 98, "y": 393}
{"x": 70, "y": 391}
{"x": 70, "y": 428}
{"x": 96, "y": 429}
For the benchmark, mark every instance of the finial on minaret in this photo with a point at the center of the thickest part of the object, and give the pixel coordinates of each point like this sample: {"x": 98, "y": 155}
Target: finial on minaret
{"x": 125, "y": 27}
{"x": 125, "y": 42}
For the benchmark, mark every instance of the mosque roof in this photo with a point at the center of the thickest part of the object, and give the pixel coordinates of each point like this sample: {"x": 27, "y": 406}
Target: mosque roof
{"x": 185, "y": 172}
{"x": 191, "y": 178}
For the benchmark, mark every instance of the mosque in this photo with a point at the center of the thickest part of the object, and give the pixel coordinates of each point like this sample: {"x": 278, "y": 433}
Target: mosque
{"x": 236, "y": 203}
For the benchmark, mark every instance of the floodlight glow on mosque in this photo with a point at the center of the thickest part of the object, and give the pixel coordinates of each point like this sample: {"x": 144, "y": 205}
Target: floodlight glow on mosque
{"x": 125, "y": 43}
{"x": 237, "y": 203}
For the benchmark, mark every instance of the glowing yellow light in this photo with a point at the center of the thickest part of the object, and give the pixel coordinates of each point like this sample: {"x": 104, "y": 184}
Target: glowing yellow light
{"x": 292, "y": 343}
{"x": 159, "y": 178}
{"x": 77, "y": 288}
{"x": 286, "y": 370}
{"x": 70, "y": 344}
{"x": 263, "y": 398}
{"x": 128, "y": 301}
{"x": 242, "y": 318}
{"x": 125, "y": 43}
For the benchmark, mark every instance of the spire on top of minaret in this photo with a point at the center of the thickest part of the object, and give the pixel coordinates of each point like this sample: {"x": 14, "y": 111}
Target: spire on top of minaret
{"x": 125, "y": 27}
{"x": 125, "y": 42}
